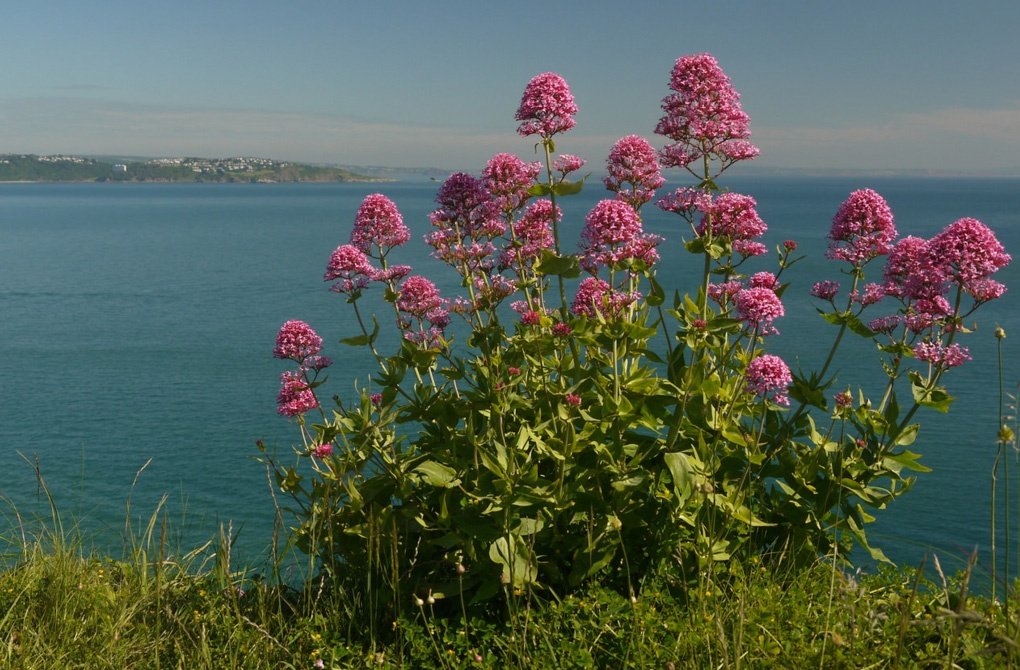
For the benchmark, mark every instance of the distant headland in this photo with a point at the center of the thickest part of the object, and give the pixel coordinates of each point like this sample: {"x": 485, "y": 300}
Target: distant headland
{"x": 64, "y": 168}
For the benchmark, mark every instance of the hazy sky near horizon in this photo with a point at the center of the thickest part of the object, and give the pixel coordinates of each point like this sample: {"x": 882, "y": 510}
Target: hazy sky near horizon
{"x": 927, "y": 84}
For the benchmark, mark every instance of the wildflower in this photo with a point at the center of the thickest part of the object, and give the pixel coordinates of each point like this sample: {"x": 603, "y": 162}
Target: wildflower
{"x": 686, "y": 202}
{"x": 531, "y": 318}
{"x": 940, "y": 355}
{"x": 610, "y": 222}
{"x": 763, "y": 280}
{"x": 561, "y": 329}
{"x": 733, "y": 215}
{"x": 297, "y": 341}
{"x": 378, "y": 222}
{"x": 418, "y": 296}
{"x": 466, "y": 221}
{"x": 749, "y": 248}
{"x": 317, "y": 363}
{"x": 885, "y": 324}
{"x": 612, "y": 234}
{"x": 595, "y": 296}
{"x": 759, "y": 307}
{"x": 567, "y": 163}
{"x": 376, "y": 399}
{"x": 969, "y": 251}
{"x": 532, "y": 233}
{"x": 350, "y": 266}
{"x": 392, "y": 273}
{"x": 512, "y": 371}
{"x": 573, "y": 399}
{"x": 547, "y": 107}
{"x": 703, "y": 115}
{"x": 721, "y": 293}
{"x": 862, "y": 228}
{"x": 322, "y": 450}
{"x": 790, "y": 245}
{"x": 464, "y": 199}
{"x": 699, "y": 324}
{"x": 508, "y": 179}
{"x": 844, "y": 399}
{"x": 909, "y": 272}
{"x": 826, "y": 290}
{"x": 769, "y": 375}
{"x": 634, "y": 172}
{"x": 983, "y": 290}
{"x": 295, "y": 396}
{"x": 872, "y": 294}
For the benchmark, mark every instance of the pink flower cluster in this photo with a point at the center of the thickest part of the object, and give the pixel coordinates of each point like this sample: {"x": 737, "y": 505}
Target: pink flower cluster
{"x": 633, "y": 169}
{"x": 613, "y": 234}
{"x": 351, "y": 269}
{"x": 968, "y": 251}
{"x": 465, "y": 223}
{"x": 378, "y": 222}
{"x": 862, "y": 228}
{"x": 687, "y": 202}
{"x": 826, "y": 290}
{"x": 596, "y": 297}
{"x": 703, "y": 115}
{"x": 295, "y": 396}
{"x": 508, "y": 179}
{"x": 531, "y": 234}
{"x": 940, "y": 355}
{"x": 735, "y": 216}
{"x": 567, "y": 163}
{"x": 768, "y": 375}
{"x": 547, "y": 106}
{"x": 420, "y": 298}
{"x": 759, "y": 307}
{"x": 296, "y": 341}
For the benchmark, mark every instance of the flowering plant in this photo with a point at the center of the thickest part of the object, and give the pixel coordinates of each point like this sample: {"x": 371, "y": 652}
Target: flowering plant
{"x": 614, "y": 434}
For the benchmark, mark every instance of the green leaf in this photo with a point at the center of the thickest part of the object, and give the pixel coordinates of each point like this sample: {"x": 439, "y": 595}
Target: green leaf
{"x": 904, "y": 459}
{"x": 656, "y": 296}
{"x": 438, "y": 474}
{"x": 526, "y": 527}
{"x": 565, "y": 187}
{"x": 589, "y": 560}
{"x": 539, "y": 190}
{"x": 856, "y": 325}
{"x": 937, "y": 398}
{"x": 908, "y": 435}
{"x": 513, "y": 555}
{"x": 629, "y": 483}
{"x": 683, "y": 474}
{"x": 560, "y": 266}
{"x": 362, "y": 340}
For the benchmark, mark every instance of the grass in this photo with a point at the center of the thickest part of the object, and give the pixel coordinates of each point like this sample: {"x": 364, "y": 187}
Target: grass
{"x": 63, "y": 607}
{"x": 157, "y": 606}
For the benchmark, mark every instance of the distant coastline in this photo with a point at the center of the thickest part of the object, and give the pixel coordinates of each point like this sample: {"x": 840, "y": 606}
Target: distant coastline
{"x": 59, "y": 168}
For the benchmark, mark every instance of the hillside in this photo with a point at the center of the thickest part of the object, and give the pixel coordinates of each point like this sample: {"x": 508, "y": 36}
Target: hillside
{"x": 61, "y": 168}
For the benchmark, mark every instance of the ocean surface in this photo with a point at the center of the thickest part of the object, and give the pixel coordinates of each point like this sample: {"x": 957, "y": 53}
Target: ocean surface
{"x": 137, "y": 323}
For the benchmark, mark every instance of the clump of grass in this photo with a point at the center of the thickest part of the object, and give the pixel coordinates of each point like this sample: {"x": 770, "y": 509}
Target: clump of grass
{"x": 157, "y": 609}
{"x": 160, "y": 607}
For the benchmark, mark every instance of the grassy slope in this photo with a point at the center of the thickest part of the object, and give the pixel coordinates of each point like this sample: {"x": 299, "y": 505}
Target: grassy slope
{"x": 164, "y": 609}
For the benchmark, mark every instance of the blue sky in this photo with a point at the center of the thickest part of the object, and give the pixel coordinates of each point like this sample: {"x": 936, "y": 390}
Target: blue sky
{"x": 864, "y": 84}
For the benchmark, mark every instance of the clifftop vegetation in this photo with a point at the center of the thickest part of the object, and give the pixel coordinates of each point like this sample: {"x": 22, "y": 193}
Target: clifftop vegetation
{"x": 59, "y": 168}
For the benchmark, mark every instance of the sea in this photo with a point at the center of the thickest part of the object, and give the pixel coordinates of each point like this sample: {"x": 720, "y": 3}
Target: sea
{"x": 137, "y": 323}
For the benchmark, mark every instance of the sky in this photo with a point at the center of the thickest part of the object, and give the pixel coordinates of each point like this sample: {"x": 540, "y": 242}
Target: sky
{"x": 865, "y": 85}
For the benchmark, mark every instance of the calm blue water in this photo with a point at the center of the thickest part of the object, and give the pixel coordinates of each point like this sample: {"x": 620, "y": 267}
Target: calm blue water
{"x": 137, "y": 324}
